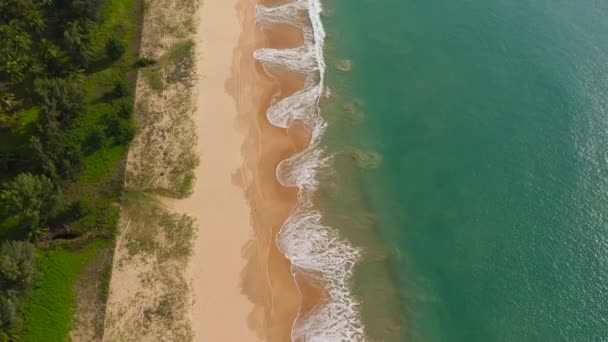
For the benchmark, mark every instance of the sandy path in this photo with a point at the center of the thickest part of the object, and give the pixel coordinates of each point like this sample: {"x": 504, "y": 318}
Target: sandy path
{"x": 218, "y": 204}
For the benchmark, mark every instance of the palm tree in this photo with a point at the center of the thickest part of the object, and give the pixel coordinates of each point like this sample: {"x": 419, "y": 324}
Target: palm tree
{"x": 8, "y": 102}
{"x": 34, "y": 198}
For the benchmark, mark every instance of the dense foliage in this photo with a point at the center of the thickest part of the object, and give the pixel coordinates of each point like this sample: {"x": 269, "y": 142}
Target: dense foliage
{"x": 16, "y": 278}
{"x": 66, "y": 74}
{"x": 33, "y": 198}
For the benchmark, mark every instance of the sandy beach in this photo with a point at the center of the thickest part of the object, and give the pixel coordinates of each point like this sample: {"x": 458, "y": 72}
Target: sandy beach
{"x": 240, "y": 284}
{"x": 220, "y": 309}
{"x": 243, "y": 284}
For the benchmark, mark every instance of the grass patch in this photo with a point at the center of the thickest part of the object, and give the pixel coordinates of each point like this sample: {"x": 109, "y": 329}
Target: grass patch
{"x": 154, "y": 78}
{"x": 99, "y": 165}
{"x": 47, "y": 312}
{"x": 180, "y": 66}
{"x": 183, "y": 175}
{"x": 154, "y": 231}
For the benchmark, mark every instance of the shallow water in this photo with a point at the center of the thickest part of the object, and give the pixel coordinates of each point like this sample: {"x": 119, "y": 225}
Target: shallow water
{"x": 470, "y": 158}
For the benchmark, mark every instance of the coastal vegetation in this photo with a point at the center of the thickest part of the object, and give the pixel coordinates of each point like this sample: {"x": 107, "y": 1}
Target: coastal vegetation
{"x": 150, "y": 294}
{"x": 154, "y": 248}
{"x": 67, "y": 79}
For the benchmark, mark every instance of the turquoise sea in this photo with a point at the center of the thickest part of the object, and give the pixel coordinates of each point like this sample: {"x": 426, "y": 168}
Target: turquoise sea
{"x": 470, "y": 143}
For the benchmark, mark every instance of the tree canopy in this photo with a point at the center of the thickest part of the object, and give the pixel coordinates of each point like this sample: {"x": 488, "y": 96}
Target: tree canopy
{"x": 35, "y": 198}
{"x": 17, "y": 276}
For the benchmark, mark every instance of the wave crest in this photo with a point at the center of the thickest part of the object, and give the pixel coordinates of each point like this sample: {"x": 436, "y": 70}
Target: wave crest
{"x": 312, "y": 247}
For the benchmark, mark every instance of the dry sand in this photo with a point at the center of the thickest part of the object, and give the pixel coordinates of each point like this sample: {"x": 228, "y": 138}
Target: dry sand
{"x": 220, "y": 310}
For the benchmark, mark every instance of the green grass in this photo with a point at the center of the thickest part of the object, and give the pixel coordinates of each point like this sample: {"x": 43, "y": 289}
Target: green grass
{"x": 98, "y": 165}
{"x": 100, "y": 183}
{"x": 47, "y": 312}
{"x": 119, "y": 20}
{"x": 154, "y": 78}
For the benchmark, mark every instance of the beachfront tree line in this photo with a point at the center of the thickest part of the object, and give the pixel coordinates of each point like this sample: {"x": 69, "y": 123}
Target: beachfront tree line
{"x": 46, "y": 54}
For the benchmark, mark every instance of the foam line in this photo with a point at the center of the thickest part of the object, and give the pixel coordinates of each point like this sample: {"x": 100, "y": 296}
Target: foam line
{"x": 312, "y": 247}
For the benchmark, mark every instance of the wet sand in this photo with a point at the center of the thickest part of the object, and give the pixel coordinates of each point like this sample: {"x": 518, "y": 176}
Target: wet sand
{"x": 267, "y": 279}
{"x": 276, "y": 296}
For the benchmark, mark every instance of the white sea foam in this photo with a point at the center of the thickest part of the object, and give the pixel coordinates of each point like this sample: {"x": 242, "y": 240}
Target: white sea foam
{"x": 311, "y": 246}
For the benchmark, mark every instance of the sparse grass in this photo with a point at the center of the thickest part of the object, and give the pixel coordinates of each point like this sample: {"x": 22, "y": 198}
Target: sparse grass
{"x": 163, "y": 156}
{"x": 154, "y": 78}
{"x": 180, "y": 65}
{"x": 166, "y": 311}
{"x": 183, "y": 174}
{"x": 157, "y": 245}
{"x": 154, "y": 231}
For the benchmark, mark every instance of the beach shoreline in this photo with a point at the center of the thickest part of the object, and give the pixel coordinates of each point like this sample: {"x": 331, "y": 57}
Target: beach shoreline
{"x": 243, "y": 284}
{"x": 276, "y": 296}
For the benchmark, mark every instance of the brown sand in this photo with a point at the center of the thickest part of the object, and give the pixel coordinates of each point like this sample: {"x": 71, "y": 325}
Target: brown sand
{"x": 267, "y": 279}
{"x": 243, "y": 286}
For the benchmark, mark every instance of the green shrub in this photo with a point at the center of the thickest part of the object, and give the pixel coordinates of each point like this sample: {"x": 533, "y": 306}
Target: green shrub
{"x": 96, "y": 138}
{"x": 120, "y": 90}
{"x": 115, "y": 48}
{"x": 143, "y": 62}
{"x": 125, "y": 108}
{"x": 122, "y": 130}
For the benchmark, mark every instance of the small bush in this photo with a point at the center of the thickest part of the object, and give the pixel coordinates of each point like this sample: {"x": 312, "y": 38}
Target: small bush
{"x": 125, "y": 108}
{"x": 143, "y": 62}
{"x": 127, "y": 132}
{"x": 120, "y": 90}
{"x": 115, "y": 48}
{"x": 96, "y": 138}
{"x": 122, "y": 130}
{"x": 78, "y": 210}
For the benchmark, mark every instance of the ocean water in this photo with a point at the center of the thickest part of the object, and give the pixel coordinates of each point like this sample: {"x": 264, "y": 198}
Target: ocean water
{"x": 467, "y": 144}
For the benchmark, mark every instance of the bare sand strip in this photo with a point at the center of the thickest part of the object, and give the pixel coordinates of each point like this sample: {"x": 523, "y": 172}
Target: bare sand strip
{"x": 218, "y": 204}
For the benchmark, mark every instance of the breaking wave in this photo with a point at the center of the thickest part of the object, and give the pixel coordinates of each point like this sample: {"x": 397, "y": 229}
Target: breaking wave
{"x": 312, "y": 247}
